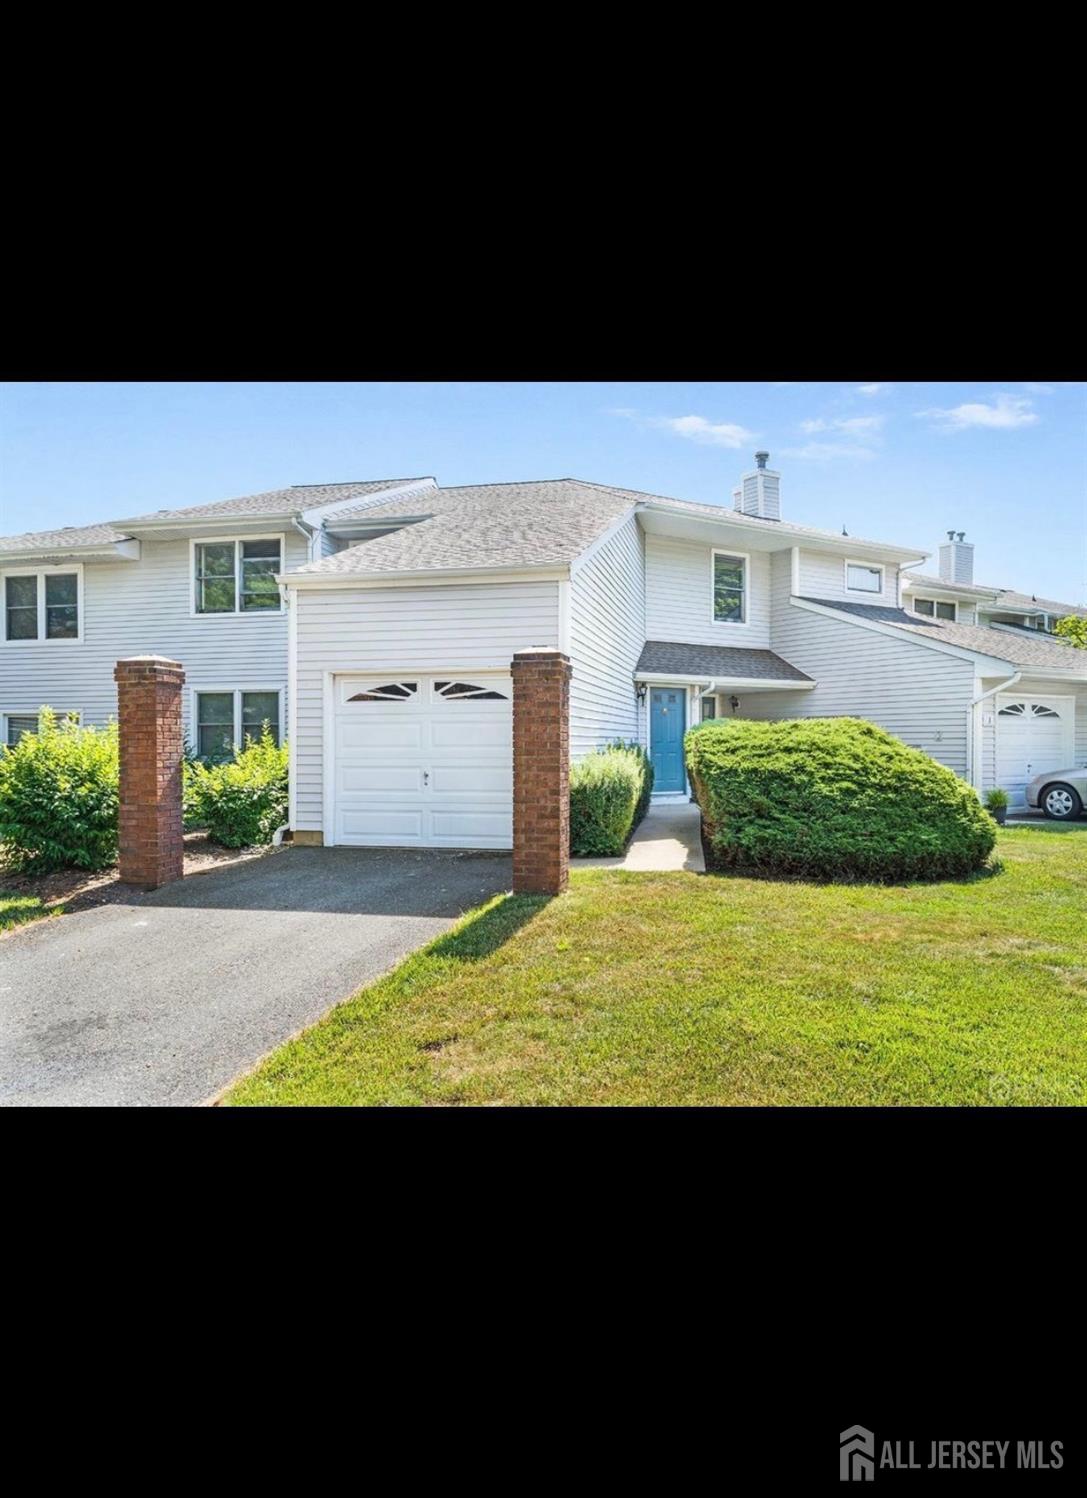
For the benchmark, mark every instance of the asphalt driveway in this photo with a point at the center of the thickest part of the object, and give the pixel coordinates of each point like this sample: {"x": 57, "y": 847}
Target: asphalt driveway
{"x": 164, "y": 998}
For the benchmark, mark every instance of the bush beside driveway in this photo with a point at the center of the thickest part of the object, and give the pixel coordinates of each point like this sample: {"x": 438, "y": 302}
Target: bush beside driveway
{"x": 674, "y": 988}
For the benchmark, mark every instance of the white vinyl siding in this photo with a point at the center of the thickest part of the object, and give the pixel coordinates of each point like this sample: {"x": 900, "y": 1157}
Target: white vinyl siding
{"x": 145, "y": 607}
{"x": 607, "y": 632}
{"x": 919, "y": 694}
{"x": 823, "y": 575}
{"x": 679, "y": 596}
{"x": 428, "y": 629}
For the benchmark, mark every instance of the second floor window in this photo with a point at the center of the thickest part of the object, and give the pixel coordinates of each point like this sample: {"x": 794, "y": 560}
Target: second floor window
{"x": 729, "y": 589}
{"x": 237, "y": 577}
{"x": 934, "y": 608}
{"x": 41, "y": 606}
{"x": 860, "y": 578}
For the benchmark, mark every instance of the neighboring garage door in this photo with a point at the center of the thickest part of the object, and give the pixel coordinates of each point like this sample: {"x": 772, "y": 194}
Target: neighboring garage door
{"x": 1033, "y": 734}
{"x": 424, "y": 761}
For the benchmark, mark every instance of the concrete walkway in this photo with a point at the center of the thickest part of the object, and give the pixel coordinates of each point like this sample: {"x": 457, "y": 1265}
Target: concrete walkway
{"x": 165, "y": 998}
{"x": 668, "y": 838}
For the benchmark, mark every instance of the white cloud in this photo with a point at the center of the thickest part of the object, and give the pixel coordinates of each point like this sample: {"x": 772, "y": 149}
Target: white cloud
{"x": 860, "y": 427}
{"x": 875, "y": 388}
{"x": 694, "y": 428}
{"x": 1039, "y": 389}
{"x": 698, "y": 429}
{"x": 1006, "y": 412}
{"x": 825, "y": 452}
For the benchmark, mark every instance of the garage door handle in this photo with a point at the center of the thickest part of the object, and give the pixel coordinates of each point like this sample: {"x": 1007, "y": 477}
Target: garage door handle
{"x": 426, "y": 777}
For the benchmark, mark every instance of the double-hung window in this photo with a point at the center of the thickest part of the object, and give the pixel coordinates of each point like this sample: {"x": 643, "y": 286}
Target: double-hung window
{"x": 729, "y": 588}
{"x": 41, "y": 605}
{"x": 934, "y": 608}
{"x": 224, "y": 719}
{"x": 237, "y": 577}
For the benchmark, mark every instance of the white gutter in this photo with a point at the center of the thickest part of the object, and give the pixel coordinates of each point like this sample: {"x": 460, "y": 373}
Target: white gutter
{"x": 309, "y": 534}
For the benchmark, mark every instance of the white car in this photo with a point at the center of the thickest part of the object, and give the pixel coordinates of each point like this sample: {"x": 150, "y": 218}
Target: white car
{"x": 1062, "y": 794}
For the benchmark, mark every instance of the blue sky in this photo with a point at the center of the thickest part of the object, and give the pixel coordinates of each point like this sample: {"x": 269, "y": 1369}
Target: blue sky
{"x": 903, "y": 462}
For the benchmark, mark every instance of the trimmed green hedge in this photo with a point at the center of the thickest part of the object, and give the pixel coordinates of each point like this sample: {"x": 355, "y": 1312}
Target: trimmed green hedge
{"x": 609, "y": 793}
{"x": 58, "y": 797}
{"x": 242, "y": 801}
{"x": 831, "y": 798}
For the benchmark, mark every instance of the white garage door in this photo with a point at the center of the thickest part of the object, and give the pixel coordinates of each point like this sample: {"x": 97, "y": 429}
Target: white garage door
{"x": 1033, "y": 734}
{"x": 424, "y": 761}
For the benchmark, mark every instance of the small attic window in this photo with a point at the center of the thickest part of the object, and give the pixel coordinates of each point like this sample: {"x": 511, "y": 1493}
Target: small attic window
{"x": 860, "y": 577}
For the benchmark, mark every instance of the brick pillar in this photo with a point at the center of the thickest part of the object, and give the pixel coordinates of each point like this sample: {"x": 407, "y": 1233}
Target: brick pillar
{"x": 149, "y": 716}
{"x": 541, "y": 772}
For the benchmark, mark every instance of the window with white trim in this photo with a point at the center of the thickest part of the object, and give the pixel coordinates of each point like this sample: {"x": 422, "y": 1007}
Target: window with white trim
{"x": 935, "y": 608}
{"x": 860, "y": 577}
{"x": 237, "y": 577}
{"x": 223, "y": 720}
{"x": 729, "y": 588}
{"x": 18, "y": 724}
{"x": 41, "y": 605}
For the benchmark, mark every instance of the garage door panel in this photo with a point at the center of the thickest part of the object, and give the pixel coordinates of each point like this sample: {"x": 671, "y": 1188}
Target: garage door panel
{"x": 382, "y": 733}
{"x": 495, "y": 782}
{"x": 380, "y": 824}
{"x": 425, "y": 770}
{"x": 470, "y": 733}
{"x": 468, "y": 828}
{"x": 380, "y": 779}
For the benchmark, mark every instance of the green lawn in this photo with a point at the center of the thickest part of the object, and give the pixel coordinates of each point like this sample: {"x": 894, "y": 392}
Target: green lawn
{"x": 688, "y": 989}
{"x": 15, "y": 909}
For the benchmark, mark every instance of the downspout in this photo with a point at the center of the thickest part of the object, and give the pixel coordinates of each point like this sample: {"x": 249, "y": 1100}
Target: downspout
{"x": 972, "y": 725}
{"x": 310, "y": 534}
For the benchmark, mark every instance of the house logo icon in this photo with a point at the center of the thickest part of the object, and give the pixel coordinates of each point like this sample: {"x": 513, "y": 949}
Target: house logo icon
{"x": 856, "y": 1454}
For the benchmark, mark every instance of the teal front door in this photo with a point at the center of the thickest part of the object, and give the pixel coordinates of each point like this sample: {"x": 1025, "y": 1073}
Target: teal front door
{"x": 667, "y": 721}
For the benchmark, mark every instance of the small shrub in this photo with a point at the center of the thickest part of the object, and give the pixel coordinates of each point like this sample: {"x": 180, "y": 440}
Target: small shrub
{"x": 996, "y": 798}
{"x": 243, "y": 801}
{"x": 831, "y": 798}
{"x": 609, "y": 794}
{"x": 58, "y": 797}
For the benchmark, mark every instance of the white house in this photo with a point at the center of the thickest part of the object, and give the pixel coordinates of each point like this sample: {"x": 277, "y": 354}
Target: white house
{"x": 198, "y": 584}
{"x": 401, "y": 604}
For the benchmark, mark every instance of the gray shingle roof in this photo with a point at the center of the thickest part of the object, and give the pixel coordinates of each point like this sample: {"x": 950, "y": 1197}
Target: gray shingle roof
{"x": 757, "y": 522}
{"x": 67, "y": 536}
{"x": 1015, "y": 646}
{"x": 291, "y": 501}
{"x": 1006, "y": 598}
{"x": 544, "y": 523}
{"x": 665, "y": 657}
{"x": 297, "y": 498}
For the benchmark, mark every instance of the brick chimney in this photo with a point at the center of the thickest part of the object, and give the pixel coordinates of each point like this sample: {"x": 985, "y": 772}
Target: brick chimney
{"x": 759, "y": 493}
{"x": 957, "y": 558}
